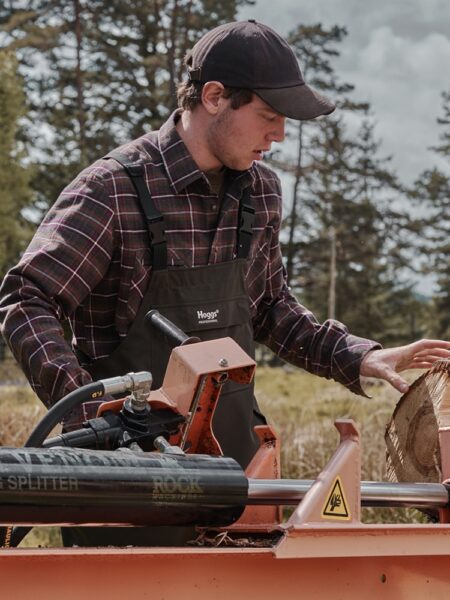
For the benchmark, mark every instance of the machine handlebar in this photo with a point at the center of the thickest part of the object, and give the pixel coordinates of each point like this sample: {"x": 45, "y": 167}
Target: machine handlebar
{"x": 174, "y": 335}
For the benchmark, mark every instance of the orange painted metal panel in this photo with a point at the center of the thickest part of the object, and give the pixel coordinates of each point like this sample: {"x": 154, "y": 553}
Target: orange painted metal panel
{"x": 219, "y": 574}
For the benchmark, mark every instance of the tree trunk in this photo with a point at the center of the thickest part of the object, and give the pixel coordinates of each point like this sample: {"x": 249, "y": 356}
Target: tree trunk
{"x": 290, "y": 253}
{"x": 333, "y": 274}
{"x": 171, "y": 55}
{"x": 79, "y": 85}
{"x": 184, "y": 45}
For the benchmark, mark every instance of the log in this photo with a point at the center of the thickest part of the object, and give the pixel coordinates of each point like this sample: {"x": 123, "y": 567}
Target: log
{"x": 412, "y": 434}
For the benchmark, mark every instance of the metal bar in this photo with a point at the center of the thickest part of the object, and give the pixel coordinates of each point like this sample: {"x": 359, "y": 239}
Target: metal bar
{"x": 192, "y": 411}
{"x": 291, "y": 491}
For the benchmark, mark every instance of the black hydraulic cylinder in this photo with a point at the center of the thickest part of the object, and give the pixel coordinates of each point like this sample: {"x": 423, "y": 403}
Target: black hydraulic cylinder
{"x": 70, "y": 485}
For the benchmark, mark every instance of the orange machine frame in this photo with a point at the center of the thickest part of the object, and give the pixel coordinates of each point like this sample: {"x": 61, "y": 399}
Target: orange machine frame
{"x": 322, "y": 551}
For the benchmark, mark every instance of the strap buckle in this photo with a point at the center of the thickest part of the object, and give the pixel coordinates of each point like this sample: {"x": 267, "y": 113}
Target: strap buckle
{"x": 247, "y": 218}
{"x": 157, "y": 231}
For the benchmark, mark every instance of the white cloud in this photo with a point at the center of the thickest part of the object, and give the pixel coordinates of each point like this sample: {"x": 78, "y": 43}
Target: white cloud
{"x": 409, "y": 17}
{"x": 397, "y": 55}
{"x": 403, "y": 80}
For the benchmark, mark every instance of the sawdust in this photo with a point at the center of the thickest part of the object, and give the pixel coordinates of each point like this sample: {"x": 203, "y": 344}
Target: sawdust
{"x": 211, "y": 539}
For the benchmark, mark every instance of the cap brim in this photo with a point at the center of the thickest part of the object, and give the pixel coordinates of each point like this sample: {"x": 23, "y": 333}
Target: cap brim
{"x": 299, "y": 102}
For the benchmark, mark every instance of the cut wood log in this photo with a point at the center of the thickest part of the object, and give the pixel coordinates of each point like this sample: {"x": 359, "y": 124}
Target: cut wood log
{"x": 412, "y": 434}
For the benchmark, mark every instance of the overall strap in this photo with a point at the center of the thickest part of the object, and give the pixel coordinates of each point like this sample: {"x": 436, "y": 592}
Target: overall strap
{"x": 155, "y": 221}
{"x": 246, "y": 219}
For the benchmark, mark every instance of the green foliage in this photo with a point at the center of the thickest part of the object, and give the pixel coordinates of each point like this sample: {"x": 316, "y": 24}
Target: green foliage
{"x": 343, "y": 240}
{"x": 444, "y": 147}
{"x": 349, "y": 259}
{"x": 315, "y": 48}
{"x": 432, "y": 193}
{"x": 99, "y": 73}
{"x": 15, "y": 193}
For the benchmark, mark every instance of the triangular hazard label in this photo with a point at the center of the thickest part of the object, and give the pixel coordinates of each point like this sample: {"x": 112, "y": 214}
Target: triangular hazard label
{"x": 336, "y": 506}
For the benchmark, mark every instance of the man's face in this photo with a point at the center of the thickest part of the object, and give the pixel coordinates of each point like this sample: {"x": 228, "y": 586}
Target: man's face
{"x": 237, "y": 137}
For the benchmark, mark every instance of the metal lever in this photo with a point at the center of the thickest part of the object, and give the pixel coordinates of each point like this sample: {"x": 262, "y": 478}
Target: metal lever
{"x": 174, "y": 335}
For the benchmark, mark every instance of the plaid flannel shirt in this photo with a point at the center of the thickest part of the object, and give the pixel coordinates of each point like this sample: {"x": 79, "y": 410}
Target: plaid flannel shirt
{"x": 89, "y": 264}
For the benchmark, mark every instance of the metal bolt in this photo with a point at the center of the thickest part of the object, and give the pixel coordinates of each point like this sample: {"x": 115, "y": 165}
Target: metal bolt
{"x": 223, "y": 362}
{"x": 164, "y": 446}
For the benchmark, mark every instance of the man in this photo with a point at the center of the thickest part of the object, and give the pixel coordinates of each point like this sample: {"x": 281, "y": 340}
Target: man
{"x": 186, "y": 220}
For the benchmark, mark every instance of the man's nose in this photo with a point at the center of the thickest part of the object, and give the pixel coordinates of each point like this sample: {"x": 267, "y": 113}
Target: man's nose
{"x": 277, "y": 133}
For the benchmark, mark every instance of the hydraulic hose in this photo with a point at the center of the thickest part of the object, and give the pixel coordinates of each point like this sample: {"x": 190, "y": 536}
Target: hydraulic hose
{"x": 91, "y": 391}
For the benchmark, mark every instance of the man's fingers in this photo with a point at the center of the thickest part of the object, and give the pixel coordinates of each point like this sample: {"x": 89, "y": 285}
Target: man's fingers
{"x": 399, "y": 384}
{"x": 420, "y": 365}
{"x": 436, "y": 352}
{"x": 431, "y": 358}
{"x": 395, "y": 380}
{"x": 428, "y": 344}
{"x": 426, "y": 356}
{"x": 424, "y": 351}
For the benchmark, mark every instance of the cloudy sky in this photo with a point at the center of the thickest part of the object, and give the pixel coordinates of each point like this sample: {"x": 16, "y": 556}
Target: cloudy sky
{"x": 397, "y": 54}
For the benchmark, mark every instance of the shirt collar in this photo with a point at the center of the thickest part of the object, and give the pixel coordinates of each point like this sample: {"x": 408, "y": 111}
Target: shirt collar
{"x": 181, "y": 168}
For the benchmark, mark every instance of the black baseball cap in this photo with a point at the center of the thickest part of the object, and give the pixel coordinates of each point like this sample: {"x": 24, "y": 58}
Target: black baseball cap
{"x": 247, "y": 54}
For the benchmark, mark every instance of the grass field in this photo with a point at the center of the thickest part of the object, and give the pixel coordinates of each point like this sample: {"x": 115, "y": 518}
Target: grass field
{"x": 301, "y": 407}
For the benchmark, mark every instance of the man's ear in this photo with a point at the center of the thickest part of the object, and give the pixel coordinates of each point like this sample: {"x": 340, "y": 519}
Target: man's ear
{"x": 212, "y": 93}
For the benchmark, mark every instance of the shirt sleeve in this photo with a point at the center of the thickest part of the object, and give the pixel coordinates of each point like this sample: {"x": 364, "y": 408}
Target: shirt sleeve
{"x": 68, "y": 256}
{"x": 293, "y": 332}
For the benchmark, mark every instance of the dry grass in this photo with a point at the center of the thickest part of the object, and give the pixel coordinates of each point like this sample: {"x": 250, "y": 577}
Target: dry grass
{"x": 20, "y": 410}
{"x": 301, "y": 407}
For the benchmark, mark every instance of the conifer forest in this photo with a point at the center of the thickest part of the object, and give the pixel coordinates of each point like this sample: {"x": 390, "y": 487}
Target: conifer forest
{"x": 79, "y": 78}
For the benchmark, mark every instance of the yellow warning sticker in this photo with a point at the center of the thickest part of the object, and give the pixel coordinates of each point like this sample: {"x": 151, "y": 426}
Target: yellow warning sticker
{"x": 336, "y": 506}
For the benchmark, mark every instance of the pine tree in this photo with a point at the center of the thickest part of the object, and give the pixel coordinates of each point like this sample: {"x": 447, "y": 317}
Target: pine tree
{"x": 49, "y": 37}
{"x": 383, "y": 303}
{"x": 432, "y": 191}
{"x": 99, "y": 73}
{"x": 444, "y": 147}
{"x": 343, "y": 241}
{"x": 442, "y": 228}
{"x": 15, "y": 193}
{"x": 432, "y": 230}
{"x": 315, "y": 48}
{"x": 346, "y": 270}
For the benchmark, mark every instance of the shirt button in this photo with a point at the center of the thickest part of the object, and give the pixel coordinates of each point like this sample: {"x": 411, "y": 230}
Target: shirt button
{"x": 213, "y": 206}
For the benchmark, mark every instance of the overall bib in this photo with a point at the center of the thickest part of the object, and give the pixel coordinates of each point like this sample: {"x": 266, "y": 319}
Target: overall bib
{"x": 209, "y": 302}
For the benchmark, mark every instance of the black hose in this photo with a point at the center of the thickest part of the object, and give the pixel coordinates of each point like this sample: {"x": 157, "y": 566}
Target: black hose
{"x": 9, "y": 536}
{"x": 91, "y": 391}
